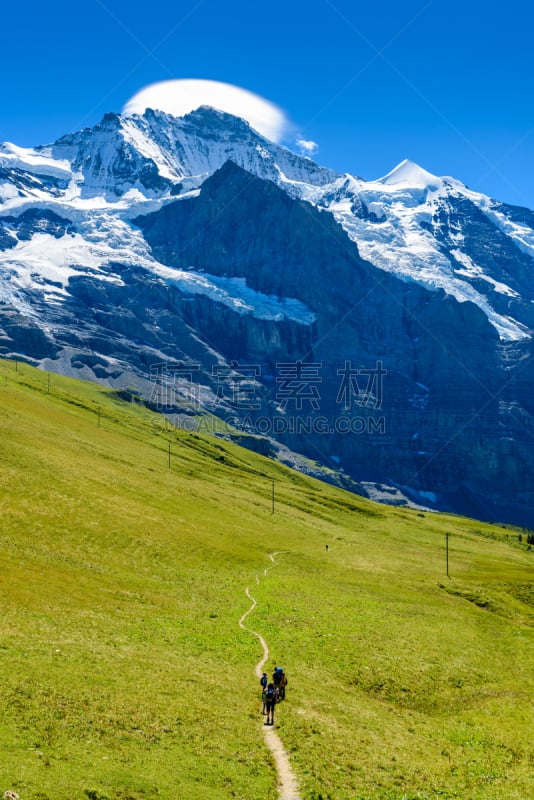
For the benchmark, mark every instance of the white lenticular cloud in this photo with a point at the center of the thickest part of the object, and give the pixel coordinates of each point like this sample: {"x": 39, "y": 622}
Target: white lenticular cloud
{"x": 306, "y": 146}
{"x": 179, "y": 97}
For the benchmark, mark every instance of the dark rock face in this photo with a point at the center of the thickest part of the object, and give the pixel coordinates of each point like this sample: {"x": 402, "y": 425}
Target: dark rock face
{"x": 20, "y": 335}
{"x": 486, "y": 244}
{"x": 7, "y": 240}
{"x": 37, "y": 220}
{"x": 245, "y": 336}
{"x": 525, "y": 216}
{"x": 24, "y": 181}
{"x": 241, "y": 226}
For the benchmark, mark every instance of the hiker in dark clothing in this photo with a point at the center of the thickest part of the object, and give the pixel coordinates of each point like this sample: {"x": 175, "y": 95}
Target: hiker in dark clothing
{"x": 263, "y": 681}
{"x": 270, "y": 702}
{"x": 283, "y": 684}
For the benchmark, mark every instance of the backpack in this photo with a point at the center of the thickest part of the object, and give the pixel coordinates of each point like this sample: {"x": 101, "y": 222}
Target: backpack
{"x": 270, "y": 695}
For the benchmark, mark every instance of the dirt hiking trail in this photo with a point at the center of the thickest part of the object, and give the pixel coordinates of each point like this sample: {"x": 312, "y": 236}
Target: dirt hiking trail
{"x": 287, "y": 782}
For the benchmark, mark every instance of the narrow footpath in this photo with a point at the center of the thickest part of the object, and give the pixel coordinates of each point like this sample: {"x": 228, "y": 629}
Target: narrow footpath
{"x": 287, "y": 782}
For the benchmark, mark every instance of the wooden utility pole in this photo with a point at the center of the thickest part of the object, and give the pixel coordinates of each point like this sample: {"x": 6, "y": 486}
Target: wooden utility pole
{"x": 447, "y": 552}
{"x": 272, "y": 499}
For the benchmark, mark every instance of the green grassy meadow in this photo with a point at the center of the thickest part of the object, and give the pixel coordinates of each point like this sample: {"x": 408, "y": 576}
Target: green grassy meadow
{"x": 125, "y": 676}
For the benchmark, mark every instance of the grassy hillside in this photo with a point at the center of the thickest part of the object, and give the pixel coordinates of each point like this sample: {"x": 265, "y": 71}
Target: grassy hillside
{"x": 124, "y": 674}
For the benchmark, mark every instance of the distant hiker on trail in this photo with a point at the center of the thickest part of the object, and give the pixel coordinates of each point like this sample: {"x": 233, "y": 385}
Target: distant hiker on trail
{"x": 326, "y": 548}
{"x": 264, "y": 681}
{"x": 279, "y": 685}
{"x": 270, "y": 702}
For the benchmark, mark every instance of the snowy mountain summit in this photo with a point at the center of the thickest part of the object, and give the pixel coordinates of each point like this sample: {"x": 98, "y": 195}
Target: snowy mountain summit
{"x": 151, "y": 238}
{"x": 410, "y": 174}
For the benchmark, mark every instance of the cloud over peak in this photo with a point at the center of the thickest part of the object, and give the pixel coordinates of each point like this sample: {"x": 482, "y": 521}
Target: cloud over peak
{"x": 179, "y": 97}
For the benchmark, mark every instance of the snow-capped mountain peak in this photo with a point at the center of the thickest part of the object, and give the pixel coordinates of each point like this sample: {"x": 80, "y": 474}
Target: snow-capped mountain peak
{"x": 409, "y": 173}
{"x": 154, "y": 154}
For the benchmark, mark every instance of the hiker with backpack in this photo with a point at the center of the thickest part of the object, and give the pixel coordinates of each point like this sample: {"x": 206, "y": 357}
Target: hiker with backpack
{"x": 277, "y": 676}
{"x": 270, "y": 702}
{"x": 280, "y": 682}
{"x": 264, "y": 681}
{"x": 283, "y": 684}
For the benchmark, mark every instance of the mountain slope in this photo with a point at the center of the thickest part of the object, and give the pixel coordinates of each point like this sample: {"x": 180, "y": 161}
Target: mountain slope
{"x": 123, "y": 581}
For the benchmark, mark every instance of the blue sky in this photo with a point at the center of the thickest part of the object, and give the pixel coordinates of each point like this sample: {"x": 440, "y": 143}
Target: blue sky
{"x": 446, "y": 83}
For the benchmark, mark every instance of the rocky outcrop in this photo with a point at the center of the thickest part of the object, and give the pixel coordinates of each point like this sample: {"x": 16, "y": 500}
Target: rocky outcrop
{"x": 36, "y": 220}
{"x": 483, "y": 243}
{"x": 22, "y": 336}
